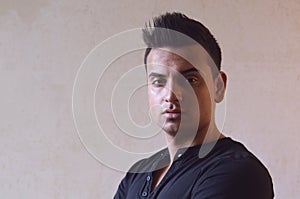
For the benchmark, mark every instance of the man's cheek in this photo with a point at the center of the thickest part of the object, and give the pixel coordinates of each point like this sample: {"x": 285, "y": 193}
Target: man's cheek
{"x": 154, "y": 110}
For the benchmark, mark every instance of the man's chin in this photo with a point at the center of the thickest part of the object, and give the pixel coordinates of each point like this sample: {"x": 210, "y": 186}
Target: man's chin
{"x": 171, "y": 130}
{"x": 179, "y": 132}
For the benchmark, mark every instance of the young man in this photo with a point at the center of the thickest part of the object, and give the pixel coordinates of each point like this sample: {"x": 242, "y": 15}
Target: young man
{"x": 183, "y": 62}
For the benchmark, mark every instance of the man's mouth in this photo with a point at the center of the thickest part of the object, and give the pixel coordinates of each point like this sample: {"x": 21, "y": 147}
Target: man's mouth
{"x": 172, "y": 114}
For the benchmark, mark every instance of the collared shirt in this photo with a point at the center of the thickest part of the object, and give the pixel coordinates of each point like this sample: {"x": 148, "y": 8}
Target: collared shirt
{"x": 227, "y": 171}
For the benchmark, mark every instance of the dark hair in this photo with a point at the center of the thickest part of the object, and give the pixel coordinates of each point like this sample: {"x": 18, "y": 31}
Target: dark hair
{"x": 165, "y": 27}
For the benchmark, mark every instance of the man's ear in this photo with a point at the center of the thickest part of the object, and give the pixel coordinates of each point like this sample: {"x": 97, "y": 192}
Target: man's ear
{"x": 220, "y": 86}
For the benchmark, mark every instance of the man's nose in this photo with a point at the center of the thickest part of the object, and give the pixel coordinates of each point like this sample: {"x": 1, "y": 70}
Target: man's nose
{"x": 173, "y": 93}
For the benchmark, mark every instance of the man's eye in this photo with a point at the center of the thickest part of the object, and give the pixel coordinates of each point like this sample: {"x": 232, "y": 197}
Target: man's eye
{"x": 159, "y": 82}
{"x": 191, "y": 80}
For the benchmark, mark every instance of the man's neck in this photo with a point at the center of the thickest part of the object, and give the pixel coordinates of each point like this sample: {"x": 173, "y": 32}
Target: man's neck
{"x": 201, "y": 137}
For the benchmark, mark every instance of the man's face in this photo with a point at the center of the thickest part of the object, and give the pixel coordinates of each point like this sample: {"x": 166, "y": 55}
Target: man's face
{"x": 178, "y": 94}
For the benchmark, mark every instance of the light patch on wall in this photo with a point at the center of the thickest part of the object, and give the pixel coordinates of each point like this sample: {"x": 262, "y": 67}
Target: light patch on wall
{"x": 26, "y": 10}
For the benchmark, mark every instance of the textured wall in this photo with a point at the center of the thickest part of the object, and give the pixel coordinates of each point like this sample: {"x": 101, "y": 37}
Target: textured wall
{"x": 43, "y": 43}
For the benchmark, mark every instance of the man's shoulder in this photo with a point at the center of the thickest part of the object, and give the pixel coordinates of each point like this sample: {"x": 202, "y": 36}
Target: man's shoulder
{"x": 150, "y": 163}
{"x": 233, "y": 165}
{"x": 236, "y": 158}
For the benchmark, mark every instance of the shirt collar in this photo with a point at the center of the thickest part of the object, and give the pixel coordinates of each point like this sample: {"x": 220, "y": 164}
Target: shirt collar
{"x": 185, "y": 153}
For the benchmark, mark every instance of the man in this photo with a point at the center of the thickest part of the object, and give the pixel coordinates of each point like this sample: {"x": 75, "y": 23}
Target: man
{"x": 183, "y": 62}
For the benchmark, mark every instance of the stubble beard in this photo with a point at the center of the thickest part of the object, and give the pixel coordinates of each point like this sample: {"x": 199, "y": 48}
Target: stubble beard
{"x": 180, "y": 131}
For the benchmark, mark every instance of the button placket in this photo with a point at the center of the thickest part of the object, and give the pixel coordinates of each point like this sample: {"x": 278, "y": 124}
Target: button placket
{"x": 146, "y": 190}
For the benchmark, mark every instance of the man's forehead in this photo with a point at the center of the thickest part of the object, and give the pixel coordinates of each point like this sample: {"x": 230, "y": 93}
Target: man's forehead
{"x": 186, "y": 51}
{"x": 189, "y": 56}
{"x": 193, "y": 54}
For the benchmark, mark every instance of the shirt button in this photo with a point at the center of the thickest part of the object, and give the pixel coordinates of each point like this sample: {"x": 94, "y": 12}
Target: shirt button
{"x": 148, "y": 178}
{"x": 179, "y": 155}
{"x": 144, "y": 194}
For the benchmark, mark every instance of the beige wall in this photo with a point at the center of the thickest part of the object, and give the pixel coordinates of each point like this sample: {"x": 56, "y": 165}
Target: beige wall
{"x": 43, "y": 43}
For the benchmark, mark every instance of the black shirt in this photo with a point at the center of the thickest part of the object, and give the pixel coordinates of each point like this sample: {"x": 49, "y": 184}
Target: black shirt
{"x": 228, "y": 171}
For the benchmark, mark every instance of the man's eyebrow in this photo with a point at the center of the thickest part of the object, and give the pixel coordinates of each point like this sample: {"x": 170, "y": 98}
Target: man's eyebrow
{"x": 189, "y": 70}
{"x": 153, "y": 74}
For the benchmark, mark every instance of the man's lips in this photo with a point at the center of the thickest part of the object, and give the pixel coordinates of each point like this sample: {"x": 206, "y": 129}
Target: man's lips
{"x": 172, "y": 114}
